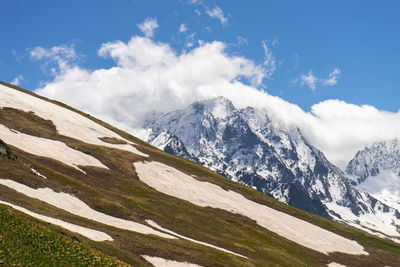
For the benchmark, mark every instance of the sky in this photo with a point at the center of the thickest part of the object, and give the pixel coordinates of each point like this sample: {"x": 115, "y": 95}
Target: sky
{"x": 330, "y": 68}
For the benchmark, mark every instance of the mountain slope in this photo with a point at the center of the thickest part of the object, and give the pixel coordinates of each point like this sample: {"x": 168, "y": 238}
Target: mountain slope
{"x": 243, "y": 145}
{"x": 101, "y": 186}
{"x": 376, "y": 170}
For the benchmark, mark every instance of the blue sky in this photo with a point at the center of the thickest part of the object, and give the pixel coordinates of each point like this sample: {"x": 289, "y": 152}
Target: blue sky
{"x": 329, "y": 68}
{"x": 359, "y": 38}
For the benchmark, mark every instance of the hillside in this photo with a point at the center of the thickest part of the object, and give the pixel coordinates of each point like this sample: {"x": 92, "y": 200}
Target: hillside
{"x": 245, "y": 145}
{"x": 131, "y": 201}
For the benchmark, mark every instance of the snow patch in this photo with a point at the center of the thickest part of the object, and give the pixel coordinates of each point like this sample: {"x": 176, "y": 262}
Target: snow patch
{"x": 48, "y": 148}
{"x": 35, "y": 172}
{"x": 175, "y": 183}
{"x": 374, "y": 223}
{"x": 385, "y": 187}
{"x": 89, "y": 233}
{"x": 335, "y": 264}
{"x": 67, "y": 122}
{"x": 155, "y": 225}
{"x": 76, "y": 206}
{"x": 160, "y": 262}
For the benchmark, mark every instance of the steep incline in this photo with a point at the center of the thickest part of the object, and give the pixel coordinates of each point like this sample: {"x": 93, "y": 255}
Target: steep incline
{"x": 244, "y": 146}
{"x": 104, "y": 188}
{"x": 376, "y": 169}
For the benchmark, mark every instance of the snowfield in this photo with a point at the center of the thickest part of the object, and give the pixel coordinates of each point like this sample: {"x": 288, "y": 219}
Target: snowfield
{"x": 48, "y": 148}
{"x": 67, "y": 122}
{"x": 76, "y": 206}
{"x": 335, "y": 264}
{"x": 155, "y": 225}
{"x": 375, "y": 224}
{"x": 170, "y": 181}
{"x": 160, "y": 262}
{"x": 89, "y": 233}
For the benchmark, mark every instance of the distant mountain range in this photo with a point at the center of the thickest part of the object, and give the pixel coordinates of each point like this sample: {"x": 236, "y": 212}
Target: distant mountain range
{"x": 243, "y": 145}
{"x": 76, "y": 191}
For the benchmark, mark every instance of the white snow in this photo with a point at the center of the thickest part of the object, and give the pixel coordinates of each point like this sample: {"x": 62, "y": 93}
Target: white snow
{"x": 89, "y": 233}
{"x": 155, "y": 225}
{"x": 335, "y": 264}
{"x": 160, "y": 262}
{"x": 75, "y": 206}
{"x": 48, "y": 148}
{"x": 385, "y": 187}
{"x": 175, "y": 183}
{"x": 35, "y": 172}
{"x": 378, "y": 221}
{"x": 67, "y": 122}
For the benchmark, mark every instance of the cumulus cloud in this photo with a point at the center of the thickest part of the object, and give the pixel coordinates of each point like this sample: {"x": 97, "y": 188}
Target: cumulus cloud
{"x": 217, "y": 13}
{"x": 150, "y": 76}
{"x": 183, "y": 27}
{"x": 148, "y": 26}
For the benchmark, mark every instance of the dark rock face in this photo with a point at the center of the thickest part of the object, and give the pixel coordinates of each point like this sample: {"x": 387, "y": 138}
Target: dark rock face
{"x": 5, "y": 150}
{"x": 243, "y": 145}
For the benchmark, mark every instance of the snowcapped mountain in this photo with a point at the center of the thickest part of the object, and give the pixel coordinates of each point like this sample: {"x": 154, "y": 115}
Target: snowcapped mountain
{"x": 243, "y": 145}
{"x": 377, "y": 171}
{"x": 65, "y": 174}
{"x": 171, "y": 144}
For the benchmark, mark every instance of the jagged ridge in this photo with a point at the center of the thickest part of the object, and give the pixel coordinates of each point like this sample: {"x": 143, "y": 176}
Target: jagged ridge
{"x": 243, "y": 145}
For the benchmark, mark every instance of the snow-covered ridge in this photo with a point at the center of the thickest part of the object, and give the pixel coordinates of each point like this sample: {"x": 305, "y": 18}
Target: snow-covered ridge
{"x": 243, "y": 145}
{"x": 170, "y": 181}
{"x": 372, "y": 160}
{"x": 376, "y": 170}
{"x": 67, "y": 122}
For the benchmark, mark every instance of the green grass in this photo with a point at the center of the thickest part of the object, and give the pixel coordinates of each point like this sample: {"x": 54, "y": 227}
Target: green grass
{"x": 26, "y": 243}
{"x": 119, "y": 192}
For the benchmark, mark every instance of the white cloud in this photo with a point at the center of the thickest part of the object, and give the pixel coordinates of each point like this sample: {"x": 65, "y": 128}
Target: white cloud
{"x": 309, "y": 79}
{"x": 151, "y": 76}
{"x": 269, "y": 62}
{"x": 17, "y": 80}
{"x": 217, "y": 13}
{"x": 198, "y": 13}
{"x": 148, "y": 26}
{"x": 190, "y": 40}
{"x": 63, "y": 56}
{"x": 183, "y": 27}
{"x": 333, "y": 76}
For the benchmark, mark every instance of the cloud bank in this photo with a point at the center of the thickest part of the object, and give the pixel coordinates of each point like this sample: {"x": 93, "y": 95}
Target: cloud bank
{"x": 150, "y": 76}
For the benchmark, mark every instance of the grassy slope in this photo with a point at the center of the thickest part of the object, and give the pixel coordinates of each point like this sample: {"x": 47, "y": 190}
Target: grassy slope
{"x": 118, "y": 192}
{"x": 25, "y": 242}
